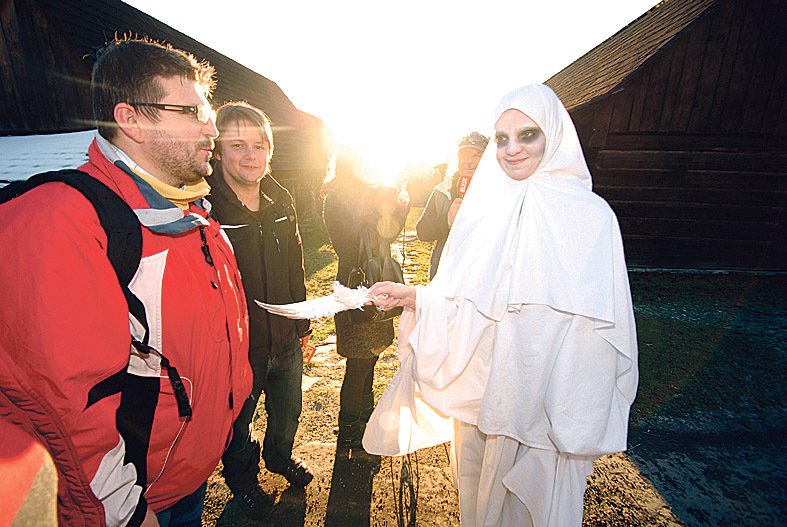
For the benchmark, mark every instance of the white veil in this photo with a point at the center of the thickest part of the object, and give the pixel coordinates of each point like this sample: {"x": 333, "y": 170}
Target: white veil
{"x": 546, "y": 240}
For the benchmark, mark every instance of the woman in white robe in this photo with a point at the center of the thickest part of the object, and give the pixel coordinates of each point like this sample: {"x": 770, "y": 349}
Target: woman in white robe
{"x": 522, "y": 351}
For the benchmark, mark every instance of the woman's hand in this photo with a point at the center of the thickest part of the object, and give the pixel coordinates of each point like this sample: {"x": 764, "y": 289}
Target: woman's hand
{"x": 389, "y": 295}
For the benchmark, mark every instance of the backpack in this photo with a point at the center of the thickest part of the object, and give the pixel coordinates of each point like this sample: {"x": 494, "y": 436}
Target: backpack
{"x": 124, "y": 250}
{"x": 124, "y": 234}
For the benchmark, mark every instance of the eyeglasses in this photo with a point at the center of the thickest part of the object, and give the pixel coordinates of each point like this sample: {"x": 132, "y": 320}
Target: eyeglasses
{"x": 202, "y": 112}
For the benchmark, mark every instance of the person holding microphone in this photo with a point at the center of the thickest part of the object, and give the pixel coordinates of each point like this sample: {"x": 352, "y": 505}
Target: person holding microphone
{"x": 446, "y": 197}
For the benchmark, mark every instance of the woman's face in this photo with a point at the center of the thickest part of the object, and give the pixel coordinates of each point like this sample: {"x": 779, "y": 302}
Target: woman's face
{"x": 520, "y": 144}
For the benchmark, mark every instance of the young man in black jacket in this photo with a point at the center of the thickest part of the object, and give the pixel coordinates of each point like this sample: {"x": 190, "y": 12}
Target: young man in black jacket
{"x": 258, "y": 216}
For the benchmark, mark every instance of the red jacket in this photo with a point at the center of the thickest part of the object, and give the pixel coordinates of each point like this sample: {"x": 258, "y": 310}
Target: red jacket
{"x": 64, "y": 327}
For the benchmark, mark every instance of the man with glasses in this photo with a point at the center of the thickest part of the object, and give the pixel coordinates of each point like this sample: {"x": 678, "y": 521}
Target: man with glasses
{"x": 136, "y": 418}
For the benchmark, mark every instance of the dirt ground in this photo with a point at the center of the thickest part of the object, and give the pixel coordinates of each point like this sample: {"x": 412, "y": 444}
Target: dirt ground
{"x": 706, "y": 446}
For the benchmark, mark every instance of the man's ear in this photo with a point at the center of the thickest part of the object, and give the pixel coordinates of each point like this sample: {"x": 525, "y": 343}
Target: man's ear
{"x": 216, "y": 155}
{"x": 127, "y": 119}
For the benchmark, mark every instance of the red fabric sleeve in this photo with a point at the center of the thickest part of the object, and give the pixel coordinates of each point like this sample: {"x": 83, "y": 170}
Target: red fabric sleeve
{"x": 64, "y": 319}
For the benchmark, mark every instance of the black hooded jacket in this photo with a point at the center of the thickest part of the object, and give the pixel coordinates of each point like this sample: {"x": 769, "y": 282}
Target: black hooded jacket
{"x": 268, "y": 249}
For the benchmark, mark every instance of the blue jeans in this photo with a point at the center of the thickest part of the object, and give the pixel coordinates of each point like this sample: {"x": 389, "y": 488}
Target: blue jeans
{"x": 187, "y": 512}
{"x": 279, "y": 377}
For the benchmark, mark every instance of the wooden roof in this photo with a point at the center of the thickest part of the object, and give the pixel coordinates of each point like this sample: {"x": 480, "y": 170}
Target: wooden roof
{"x": 88, "y": 24}
{"x": 601, "y": 70}
{"x": 49, "y": 47}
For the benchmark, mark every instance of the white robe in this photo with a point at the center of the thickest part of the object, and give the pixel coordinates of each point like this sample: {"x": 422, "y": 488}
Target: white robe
{"x": 526, "y": 332}
{"x": 538, "y": 377}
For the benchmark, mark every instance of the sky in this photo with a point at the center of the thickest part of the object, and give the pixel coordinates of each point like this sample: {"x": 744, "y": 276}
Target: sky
{"x": 400, "y": 81}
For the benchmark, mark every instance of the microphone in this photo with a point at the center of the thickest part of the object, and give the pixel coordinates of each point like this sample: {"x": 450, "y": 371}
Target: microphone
{"x": 462, "y": 184}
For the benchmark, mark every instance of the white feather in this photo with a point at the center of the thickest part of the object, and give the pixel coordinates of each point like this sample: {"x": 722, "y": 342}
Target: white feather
{"x": 342, "y": 299}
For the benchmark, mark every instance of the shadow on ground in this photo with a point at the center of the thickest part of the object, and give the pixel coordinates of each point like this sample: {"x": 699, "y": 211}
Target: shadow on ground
{"x": 720, "y": 479}
{"x": 290, "y": 511}
{"x": 709, "y": 425}
{"x": 350, "y": 497}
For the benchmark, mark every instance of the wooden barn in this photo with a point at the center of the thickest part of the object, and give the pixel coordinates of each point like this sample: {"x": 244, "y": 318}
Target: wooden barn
{"x": 683, "y": 118}
{"x": 47, "y": 50}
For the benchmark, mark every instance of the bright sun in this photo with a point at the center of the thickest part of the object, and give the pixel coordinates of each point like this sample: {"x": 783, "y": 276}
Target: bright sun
{"x": 394, "y": 141}
{"x": 400, "y": 82}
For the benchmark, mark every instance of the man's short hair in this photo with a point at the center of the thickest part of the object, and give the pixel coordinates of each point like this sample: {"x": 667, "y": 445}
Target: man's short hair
{"x": 243, "y": 112}
{"x": 129, "y": 70}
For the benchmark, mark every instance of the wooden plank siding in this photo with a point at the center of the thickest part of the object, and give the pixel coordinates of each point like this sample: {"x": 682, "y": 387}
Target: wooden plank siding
{"x": 46, "y": 88}
{"x": 690, "y": 149}
{"x": 732, "y": 203}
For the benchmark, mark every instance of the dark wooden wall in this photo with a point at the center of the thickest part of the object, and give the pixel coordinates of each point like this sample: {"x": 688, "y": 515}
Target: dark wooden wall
{"x": 47, "y": 50}
{"x": 691, "y": 150}
{"x": 43, "y": 77}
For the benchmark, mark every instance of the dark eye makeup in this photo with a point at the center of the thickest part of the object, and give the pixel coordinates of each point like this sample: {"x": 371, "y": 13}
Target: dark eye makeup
{"x": 528, "y": 135}
{"x": 525, "y": 136}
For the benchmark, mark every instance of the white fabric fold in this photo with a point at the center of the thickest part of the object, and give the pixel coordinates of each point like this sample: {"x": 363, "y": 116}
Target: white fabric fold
{"x": 403, "y": 421}
{"x": 556, "y": 500}
{"x": 527, "y": 330}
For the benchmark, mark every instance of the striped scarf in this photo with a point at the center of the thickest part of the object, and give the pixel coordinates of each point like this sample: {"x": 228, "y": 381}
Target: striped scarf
{"x": 168, "y": 206}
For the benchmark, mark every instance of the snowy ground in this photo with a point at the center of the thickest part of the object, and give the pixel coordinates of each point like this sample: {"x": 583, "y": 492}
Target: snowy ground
{"x": 26, "y": 155}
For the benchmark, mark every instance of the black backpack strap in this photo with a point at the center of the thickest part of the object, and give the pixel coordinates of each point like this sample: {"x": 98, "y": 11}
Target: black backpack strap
{"x": 124, "y": 250}
{"x": 121, "y": 225}
{"x": 139, "y": 395}
{"x": 124, "y": 235}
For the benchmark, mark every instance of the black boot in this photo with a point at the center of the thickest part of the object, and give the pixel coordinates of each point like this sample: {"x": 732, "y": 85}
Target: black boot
{"x": 350, "y": 434}
{"x": 350, "y": 444}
